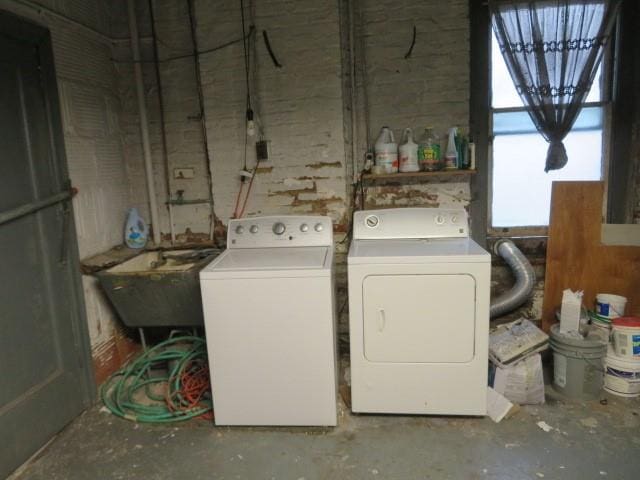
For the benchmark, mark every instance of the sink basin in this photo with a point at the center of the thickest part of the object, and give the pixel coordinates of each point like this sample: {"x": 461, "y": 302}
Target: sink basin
{"x": 158, "y": 289}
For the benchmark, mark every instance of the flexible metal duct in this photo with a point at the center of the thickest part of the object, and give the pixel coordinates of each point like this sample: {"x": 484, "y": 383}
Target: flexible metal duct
{"x": 525, "y": 279}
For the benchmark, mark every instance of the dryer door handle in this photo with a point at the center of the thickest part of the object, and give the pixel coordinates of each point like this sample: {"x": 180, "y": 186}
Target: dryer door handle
{"x": 382, "y": 320}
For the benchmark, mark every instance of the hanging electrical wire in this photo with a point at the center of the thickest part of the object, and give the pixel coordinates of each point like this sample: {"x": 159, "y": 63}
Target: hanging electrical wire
{"x": 190, "y": 55}
{"x": 238, "y": 211}
{"x": 167, "y": 383}
{"x": 247, "y": 58}
{"x": 202, "y": 113}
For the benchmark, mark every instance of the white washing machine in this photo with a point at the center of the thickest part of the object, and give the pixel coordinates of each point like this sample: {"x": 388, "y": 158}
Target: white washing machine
{"x": 418, "y": 313}
{"x": 269, "y": 316}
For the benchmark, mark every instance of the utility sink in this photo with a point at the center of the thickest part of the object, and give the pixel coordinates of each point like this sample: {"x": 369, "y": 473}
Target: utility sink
{"x": 158, "y": 289}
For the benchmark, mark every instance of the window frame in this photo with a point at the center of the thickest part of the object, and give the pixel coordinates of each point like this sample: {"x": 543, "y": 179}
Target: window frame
{"x": 542, "y": 230}
{"x": 481, "y": 114}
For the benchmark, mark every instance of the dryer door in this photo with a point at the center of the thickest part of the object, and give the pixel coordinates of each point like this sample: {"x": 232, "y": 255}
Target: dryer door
{"x": 419, "y": 318}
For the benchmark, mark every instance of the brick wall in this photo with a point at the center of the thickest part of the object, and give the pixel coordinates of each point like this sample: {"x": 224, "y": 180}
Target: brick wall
{"x": 303, "y": 107}
{"x": 299, "y": 106}
{"x": 430, "y": 88}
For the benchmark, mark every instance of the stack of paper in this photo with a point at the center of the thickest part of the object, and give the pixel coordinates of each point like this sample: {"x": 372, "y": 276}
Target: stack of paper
{"x": 511, "y": 342}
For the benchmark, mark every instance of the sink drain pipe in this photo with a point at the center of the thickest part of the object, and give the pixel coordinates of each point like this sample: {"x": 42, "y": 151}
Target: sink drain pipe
{"x": 144, "y": 122}
{"x": 525, "y": 279}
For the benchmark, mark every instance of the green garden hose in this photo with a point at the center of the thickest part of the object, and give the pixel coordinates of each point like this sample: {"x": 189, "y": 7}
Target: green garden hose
{"x": 186, "y": 384}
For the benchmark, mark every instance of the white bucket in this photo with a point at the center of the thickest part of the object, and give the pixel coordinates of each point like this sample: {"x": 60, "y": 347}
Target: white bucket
{"x": 609, "y": 305}
{"x": 601, "y": 329}
{"x": 622, "y": 377}
{"x": 626, "y": 338}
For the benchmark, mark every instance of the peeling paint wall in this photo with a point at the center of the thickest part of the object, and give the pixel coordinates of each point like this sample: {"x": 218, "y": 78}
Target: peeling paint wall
{"x": 299, "y": 106}
{"x": 303, "y": 107}
{"x": 440, "y": 195}
{"x": 430, "y": 88}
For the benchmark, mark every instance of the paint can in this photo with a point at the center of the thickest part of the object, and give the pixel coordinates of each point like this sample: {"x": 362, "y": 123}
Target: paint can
{"x": 609, "y": 305}
{"x": 622, "y": 376}
{"x": 600, "y": 326}
{"x": 626, "y": 337}
{"x": 577, "y": 363}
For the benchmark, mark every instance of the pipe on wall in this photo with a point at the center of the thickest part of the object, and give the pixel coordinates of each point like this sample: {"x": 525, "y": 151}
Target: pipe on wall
{"x": 352, "y": 84}
{"x": 163, "y": 123}
{"x": 525, "y": 279}
{"x": 191, "y": 10}
{"x": 144, "y": 121}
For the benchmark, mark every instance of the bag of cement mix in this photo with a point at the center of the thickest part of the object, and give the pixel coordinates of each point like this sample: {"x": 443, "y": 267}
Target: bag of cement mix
{"x": 521, "y": 383}
{"x": 511, "y": 342}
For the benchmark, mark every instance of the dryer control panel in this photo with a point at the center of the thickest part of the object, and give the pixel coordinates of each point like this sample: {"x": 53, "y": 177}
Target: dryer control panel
{"x": 280, "y": 231}
{"x": 410, "y": 223}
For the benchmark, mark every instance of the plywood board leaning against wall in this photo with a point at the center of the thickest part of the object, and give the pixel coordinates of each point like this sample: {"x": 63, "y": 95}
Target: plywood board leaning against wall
{"x": 577, "y": 258}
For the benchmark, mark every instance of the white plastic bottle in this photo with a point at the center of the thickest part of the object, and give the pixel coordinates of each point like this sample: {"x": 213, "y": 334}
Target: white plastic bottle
{"x": 386, "y": 150}
{"x": 136, "y": 231}
{"x": 409, "y": 153}
{"x": 451, "y": 155}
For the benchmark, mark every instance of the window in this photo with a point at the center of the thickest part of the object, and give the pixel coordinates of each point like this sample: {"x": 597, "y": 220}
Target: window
{"x": 520, "y": 188}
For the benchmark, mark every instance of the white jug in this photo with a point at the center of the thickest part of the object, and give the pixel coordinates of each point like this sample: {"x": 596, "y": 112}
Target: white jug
{"x": 136, "y": 231}
{"x": 409, "y": 153}
{"x": 386, "y": 150}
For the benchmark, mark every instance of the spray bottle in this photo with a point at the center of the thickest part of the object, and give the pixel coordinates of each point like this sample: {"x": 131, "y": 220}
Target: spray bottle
{"x": 451, "y": 154}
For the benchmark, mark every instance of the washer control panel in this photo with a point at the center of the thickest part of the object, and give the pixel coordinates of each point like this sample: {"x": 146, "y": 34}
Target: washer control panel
{"x": 411, "y": 223}
{"x": 280, "y": 231}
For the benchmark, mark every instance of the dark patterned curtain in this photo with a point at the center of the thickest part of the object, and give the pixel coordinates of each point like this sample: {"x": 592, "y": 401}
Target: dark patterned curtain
{"x": 552, "y": 50}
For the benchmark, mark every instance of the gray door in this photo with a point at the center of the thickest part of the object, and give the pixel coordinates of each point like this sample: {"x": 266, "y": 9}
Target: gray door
{"x": 45, "y": 379}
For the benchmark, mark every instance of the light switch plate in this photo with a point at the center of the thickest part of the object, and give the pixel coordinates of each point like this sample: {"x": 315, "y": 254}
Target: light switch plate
{"x": 183, "y": 173}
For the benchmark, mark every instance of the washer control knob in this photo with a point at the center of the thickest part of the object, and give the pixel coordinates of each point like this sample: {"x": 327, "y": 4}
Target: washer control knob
{"x": 318, "y": 227}
{"x": 304, "y": 227}
{"x": 371, "y": 221}
{"x": 239, "y": 229}
{"x": 279, "y": 228}
{"x": 253, "y": 229}
{"x": 454, "y": 219}
{"x": 439, "y": 219}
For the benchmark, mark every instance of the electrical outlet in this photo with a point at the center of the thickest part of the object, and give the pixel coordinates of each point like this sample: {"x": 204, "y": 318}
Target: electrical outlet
{"x": 184, "y": 173}
{"x": 262, "y": 150}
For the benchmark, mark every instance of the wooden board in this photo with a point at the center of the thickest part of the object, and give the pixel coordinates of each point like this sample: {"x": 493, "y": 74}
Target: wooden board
{"x": 577, "y": 259}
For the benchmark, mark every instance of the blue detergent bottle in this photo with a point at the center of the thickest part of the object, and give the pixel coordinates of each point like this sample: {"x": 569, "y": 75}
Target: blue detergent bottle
{"x": 136, "y": 231}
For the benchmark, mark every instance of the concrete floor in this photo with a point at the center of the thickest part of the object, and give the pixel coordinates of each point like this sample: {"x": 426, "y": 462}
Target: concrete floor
{"x": 589, "y": 440}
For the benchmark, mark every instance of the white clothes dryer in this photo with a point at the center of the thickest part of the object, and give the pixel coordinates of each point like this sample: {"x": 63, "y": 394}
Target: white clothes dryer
{"x": 418, "y": 313}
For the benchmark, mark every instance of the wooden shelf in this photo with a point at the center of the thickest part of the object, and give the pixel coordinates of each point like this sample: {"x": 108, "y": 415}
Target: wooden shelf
{"x": 385, "y": 177}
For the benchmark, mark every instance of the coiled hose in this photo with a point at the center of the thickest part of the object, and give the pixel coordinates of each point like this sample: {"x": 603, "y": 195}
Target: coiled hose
{"x": 525, "y": 279}
{"x": 133, "y": 392}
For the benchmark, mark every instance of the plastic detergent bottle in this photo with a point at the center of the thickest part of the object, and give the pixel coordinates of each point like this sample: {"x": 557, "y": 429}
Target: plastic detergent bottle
{"x": 451, "y": 154}
{"x": 136, "y": 232}
{"x": 386, "y": 150}
{"x": 408, "y": 153}
{"x": 429, "y": 151}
